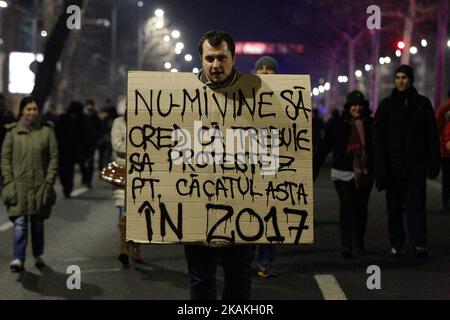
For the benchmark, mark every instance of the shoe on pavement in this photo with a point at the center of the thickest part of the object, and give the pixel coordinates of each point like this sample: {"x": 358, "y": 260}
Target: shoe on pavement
{"x": 396, "y": 252}
{"x": 420, "y": 252}
{"x": 266, "y": 272}
{"x": 17, "y": 266}
{"x": 123, "y": 258}
{"x": 39, "y": 262}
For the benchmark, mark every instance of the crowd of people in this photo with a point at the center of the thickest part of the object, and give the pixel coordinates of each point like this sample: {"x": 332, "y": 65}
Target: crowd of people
{"x": 396, "y": 151}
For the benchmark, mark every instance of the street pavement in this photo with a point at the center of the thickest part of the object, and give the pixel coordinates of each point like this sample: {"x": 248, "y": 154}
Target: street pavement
{"x": 83, "y": 231}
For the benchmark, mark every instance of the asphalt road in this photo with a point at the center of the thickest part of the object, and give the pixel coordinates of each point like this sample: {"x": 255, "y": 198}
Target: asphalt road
{"x": 83, "y": 232}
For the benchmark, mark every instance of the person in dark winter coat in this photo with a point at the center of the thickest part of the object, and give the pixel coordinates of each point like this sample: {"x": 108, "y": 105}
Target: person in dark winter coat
{"x": 92, "y": 135}
{"x": 406, "y": 143}
{"x": 349, "y": 136}
{"x": 70, "y": 132}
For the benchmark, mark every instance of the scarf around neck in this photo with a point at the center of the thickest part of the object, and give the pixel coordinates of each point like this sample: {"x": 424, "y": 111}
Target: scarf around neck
{"x": 357, "y": 146}
{"x": 229, "y": 81}
{"x": 29, "y": 124}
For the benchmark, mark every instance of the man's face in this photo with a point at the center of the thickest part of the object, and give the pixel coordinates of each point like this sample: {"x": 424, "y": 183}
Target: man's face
{"x": 265, "y": 70}
{"x": 217, "y": 62}
{"x": 402, "y": 81}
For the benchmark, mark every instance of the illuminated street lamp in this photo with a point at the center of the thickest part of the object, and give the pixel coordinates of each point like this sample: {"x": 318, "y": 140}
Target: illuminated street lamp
{"x": 188, "y": 57}
{"x": 3, "y": 4}
{"x": 176, "y": 34}
{"x": 44, "y": 33}
{"x": 358, "y": 73}
{"x": 424, "y": 43}
{"x": 159, "y": 12}
{"x": 195, "y": 70}
{"x": 167, "y": 65}
{"x": 413, "y": 50}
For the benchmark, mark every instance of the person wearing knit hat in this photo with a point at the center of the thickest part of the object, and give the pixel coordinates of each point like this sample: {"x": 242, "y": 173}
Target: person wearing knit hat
{"x": 407, "y": 70}
{"x": 266, "y": 65}
{"x": 406, "y": 151}
{"x": 266, "y": 252}
{"x": 349, "y": 137}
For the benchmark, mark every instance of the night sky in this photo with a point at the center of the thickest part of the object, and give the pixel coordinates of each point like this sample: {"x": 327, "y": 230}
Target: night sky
{"x": 250, "y": 20}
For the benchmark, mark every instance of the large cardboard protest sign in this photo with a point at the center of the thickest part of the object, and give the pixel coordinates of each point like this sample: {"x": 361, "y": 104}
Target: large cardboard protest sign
{"x": 230, "y": 165}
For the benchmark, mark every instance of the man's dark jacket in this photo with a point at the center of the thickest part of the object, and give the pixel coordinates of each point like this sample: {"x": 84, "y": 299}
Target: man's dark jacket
{"x": 406, "y": 140}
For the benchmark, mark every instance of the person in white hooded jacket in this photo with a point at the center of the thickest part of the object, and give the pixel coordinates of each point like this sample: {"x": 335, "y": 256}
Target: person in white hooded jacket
{"x": 119, "y": 146}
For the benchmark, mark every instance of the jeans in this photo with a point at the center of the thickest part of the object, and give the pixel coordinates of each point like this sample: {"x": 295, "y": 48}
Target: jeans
{"x": 21, "y": 236}
{"x": 266, "y": 254}
{"x": 202, "y": 264}
{"x": 87, "y": 169}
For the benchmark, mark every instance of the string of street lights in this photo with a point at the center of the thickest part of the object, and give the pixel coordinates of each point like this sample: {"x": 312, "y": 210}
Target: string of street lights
{"x": 174, "y": 35}
{"x": 401, "y": 45}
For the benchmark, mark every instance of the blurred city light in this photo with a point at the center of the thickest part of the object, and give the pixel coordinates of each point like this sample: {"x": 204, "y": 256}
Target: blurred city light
{"x": 176, "y": 34}
{"x": 179, "y": 45}
{"x": 1, "y": 41}
{"x": 159, "y": 12}
{"x": 321, "y": 89}
{"x": 381, "y": 60}
{"x": 358, "y": 73}
{"x": 367, "y": 67}
{"x": 401, "y": 45}
{"x": 315, "y": 92}
{"x": 344, "y": 79}
{"x": 166, "y": 38}
{"x": 174, "y": 70}
{"x": 3, "y": 4}
{"x": 43, "y": 33}
{"x": 327, "y": 86}
{"x": 195, "y": 70}
{"x": 140, "y": 4}
{"x": 448, "y": 43}
{"x": 424, "y": 43}
{"x": 159, "y": 24}
{"x": 413, "y": 50}
{"x": 387, "y": 60}
{"x": 21, "y": 78}
{"x": 167, "y": 65}
{"x": 398, "y": 53}
{"x": 177, "y": 50}
{"x": 188, "y": 57}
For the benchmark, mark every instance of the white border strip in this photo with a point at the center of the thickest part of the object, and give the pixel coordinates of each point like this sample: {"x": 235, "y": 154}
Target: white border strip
{"x": 330, "y": 288}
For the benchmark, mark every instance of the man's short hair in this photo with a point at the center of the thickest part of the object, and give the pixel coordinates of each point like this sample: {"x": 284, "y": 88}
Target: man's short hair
{"x": 215, "y": 39}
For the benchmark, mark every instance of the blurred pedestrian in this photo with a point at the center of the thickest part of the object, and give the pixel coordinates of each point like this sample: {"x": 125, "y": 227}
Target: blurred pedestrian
{"x": 29, "y": 165}
{"x": 107, "y": 115}
{"x": 352, "y": 173}
{"x": 318, "y": 129}
{"x": 50, "y": 113}
{"x": 92, "y": 134}
{"x": 70, "y": 132}
{"x": 119, "y": 146}
{"x": 5, "y": 117}
{"x": 217, "y": 53}
{"x": 442, "y": 123}
{"x": 406, "y": 143}
{"x": 266, "y": 252}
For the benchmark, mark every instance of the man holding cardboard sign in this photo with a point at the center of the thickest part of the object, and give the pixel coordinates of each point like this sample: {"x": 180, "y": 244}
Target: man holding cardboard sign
{"x": 217, "y": 54}
{"x": 219, "y": 162}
